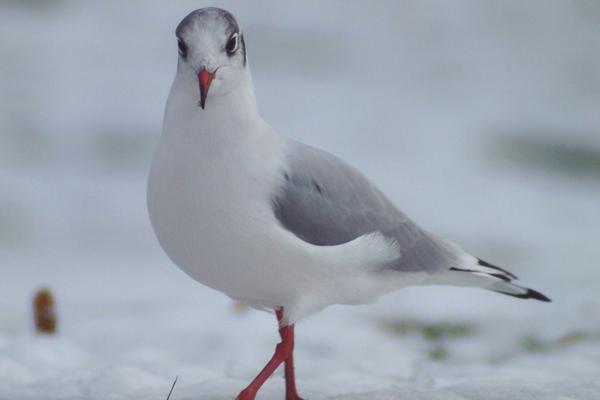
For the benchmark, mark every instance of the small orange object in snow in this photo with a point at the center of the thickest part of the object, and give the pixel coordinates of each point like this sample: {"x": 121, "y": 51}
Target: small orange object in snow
{"x": 44, "y": 312}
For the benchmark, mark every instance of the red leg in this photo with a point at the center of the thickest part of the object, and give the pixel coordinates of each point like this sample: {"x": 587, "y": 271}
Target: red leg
{"x": 290, "y": 377}
{"x": 283, "y": 352}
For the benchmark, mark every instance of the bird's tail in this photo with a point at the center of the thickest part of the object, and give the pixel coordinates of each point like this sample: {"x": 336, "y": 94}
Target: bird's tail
{"x": 485, "y": 275}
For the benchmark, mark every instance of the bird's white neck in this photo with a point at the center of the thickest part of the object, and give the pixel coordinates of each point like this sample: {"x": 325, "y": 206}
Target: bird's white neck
{"x": 224, "y": 116}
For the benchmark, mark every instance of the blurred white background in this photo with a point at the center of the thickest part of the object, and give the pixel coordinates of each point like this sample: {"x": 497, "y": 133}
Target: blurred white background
{"x": 480, "y": 119}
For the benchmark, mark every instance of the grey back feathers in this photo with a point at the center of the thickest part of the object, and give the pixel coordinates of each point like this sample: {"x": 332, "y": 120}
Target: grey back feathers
{"x": 326, "y": 202}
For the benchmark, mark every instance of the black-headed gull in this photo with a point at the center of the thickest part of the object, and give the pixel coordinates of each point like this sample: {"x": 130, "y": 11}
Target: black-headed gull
{"x": 274, "y": 223}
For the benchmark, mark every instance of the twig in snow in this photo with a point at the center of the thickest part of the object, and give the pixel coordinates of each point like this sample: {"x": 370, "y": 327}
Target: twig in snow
{"x": 172, "y": 387}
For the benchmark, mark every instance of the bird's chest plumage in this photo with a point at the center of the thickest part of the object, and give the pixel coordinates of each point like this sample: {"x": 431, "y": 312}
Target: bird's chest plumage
{"x": 210, "y": 206}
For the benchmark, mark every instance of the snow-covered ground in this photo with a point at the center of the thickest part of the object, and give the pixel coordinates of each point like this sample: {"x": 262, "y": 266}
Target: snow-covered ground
{"x": 479, "y": 118}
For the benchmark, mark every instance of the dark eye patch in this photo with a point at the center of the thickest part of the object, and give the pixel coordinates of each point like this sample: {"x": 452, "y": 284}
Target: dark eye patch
{"x": 182, "y": 48}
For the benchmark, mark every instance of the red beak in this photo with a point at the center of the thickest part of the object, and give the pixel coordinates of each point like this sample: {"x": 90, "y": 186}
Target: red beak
{"x": 205, "y": 78}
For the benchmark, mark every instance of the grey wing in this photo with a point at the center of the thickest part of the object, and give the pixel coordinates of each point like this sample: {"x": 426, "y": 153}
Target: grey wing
{"x": 326, "y": 202}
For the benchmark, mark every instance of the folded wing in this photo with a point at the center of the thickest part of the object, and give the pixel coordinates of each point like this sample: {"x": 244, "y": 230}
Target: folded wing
{"x": 326, "y": 202}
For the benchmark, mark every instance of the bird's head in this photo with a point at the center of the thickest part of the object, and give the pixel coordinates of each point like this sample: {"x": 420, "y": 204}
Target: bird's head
{"x": 212, "y": 51}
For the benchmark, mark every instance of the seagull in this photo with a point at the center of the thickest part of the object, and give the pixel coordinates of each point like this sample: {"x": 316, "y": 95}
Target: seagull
{"x": 274, "y": 223}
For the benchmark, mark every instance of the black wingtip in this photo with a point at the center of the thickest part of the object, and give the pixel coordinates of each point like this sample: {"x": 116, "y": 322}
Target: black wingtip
{"x": 487, "y": 264}
{"x": 499, "y": 276}
{"x": 534, "y": 294}
{"x": 530, "y": 294}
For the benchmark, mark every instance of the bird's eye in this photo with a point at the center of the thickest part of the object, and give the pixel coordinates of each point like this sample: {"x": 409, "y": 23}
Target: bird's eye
{"x": 232, "y": 44}
{"x": 182, "y": 48}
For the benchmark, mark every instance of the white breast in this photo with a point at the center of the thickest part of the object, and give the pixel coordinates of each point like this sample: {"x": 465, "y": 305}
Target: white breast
{"x": 209, "y": 204}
